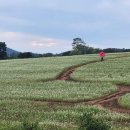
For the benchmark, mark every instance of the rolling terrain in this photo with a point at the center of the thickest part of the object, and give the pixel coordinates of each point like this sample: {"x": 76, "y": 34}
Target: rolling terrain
{"x": 56, "y": 91}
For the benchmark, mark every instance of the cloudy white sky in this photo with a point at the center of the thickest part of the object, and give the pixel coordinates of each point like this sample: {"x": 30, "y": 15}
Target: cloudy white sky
{"x": 50, "y": 25}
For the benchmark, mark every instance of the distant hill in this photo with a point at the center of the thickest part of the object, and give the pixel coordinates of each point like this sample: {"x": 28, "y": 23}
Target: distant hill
{"x": 11, "y": 52}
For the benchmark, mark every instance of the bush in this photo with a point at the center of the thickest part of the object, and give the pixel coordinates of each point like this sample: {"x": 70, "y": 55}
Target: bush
{"x": 30, "y": 126}
{"x": 88, "y": 122}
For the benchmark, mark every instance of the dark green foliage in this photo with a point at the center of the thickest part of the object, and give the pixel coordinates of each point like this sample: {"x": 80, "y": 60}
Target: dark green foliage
{"x": 26, "y": 125}
{"x": 67, "y": 53}
{"x": 47, "y": 55}
{"x": 78, "y": 40}
{"x": 30, "y": 126}
{"x": 88, "y": 122}
{"x": 3, "y": 54}
{"x": 25, "y": 55}
{"x": 80, "y": 47}
{"x": 83, "y": 49}
{"x": 116, "y": 50}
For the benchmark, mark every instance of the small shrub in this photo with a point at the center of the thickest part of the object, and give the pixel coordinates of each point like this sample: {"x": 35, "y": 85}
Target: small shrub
{"x": 30, "y": 126}
{"x": 88, "y": 122}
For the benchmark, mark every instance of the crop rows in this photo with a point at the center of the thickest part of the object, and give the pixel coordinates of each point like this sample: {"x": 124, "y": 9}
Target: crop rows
{"x": 23, "y": 92}
{"x": 115, "y": 70}
{"x": 125, "y": 101}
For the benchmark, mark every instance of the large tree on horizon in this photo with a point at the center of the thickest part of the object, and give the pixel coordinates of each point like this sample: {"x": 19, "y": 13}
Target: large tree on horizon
{"x": 79, "y": 46}
{"x": 3, "y": 54}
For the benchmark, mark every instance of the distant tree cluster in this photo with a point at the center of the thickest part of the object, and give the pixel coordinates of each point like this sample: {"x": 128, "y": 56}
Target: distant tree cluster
{"x": 79, "y": 47}
{"x": 47, "y": 55}
{"x": 3, "y": 54}
{"x": 25, "y": 55}
{"x": 34, "y": 55}
{"x": 116, "y": 50}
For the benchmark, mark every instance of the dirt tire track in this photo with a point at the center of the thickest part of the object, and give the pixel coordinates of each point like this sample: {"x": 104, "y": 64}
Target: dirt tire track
{"x": 111, "y": 101}
{"x": 65, "y": 74}
{"x": 108, "y": 101}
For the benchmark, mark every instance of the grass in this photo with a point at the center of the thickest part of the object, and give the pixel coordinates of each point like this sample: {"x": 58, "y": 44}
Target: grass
{"x": 56, "y": 116}
{"x": 22, "y": 90}
{"x": 114, "y": 70}
{"x": 56, "y": 90}
{"x": 125, "y": 101}
{"x": 28, "y": 70}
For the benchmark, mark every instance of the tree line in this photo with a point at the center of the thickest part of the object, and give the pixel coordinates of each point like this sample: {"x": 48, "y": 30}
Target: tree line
{"x": 79, "y": 47}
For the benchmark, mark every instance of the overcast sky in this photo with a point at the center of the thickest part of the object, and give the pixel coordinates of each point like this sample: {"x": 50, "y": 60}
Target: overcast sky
{"x": 50, "y": 25}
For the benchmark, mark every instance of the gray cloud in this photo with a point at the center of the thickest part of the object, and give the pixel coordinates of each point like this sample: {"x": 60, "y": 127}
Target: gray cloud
{"x": 28, "y": 42}
{"x": 98, "y": 22}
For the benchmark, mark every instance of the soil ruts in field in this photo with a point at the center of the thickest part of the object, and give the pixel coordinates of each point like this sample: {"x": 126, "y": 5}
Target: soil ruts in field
{"x": 109, "y": 101}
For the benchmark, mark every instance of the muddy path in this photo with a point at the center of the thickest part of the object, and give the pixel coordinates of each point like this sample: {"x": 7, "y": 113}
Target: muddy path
{"x": 65, "y": 74}
{"x": 109, "y": 101}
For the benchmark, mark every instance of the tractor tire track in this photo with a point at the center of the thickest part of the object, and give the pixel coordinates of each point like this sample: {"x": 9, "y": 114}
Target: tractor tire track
{"x": 111, "y": 101}
{"x": 65, "y": 75}
{"x": 108, "y": 101}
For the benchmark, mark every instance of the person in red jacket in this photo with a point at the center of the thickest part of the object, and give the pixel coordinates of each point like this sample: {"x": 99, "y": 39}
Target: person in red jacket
{"x": 102, "y": 54}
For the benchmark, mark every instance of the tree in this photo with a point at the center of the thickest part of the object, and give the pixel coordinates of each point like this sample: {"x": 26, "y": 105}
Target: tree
{"x": 79, "y": 46}
{"x": 48, "y": 55}
{"x": 3, "y": 54}
{"x": 25, "y": 55}
{"x": 77, "y": 41}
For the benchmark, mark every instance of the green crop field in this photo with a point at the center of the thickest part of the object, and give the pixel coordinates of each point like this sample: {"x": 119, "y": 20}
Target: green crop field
{"x": 112, "y": 70}
{"x": 29, "y": 91}
{"x": 125, "y": 101}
